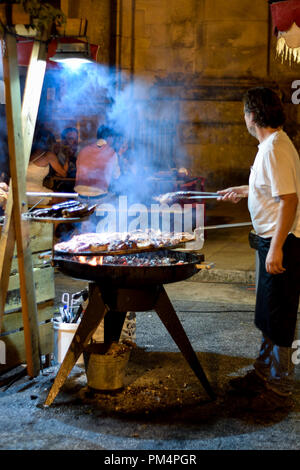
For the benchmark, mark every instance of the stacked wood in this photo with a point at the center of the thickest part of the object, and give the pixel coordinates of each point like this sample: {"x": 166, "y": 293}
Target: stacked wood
{"x": 12, "y": 334}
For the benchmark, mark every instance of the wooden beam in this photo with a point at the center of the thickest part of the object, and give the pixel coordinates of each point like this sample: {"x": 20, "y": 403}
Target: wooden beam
{"x": 20, "y": 124}
{"x": 7, "y": 245}
{"x": 17, "y": 171}
{"x": 34, "y": 80}
{"x": 32, "y": 94}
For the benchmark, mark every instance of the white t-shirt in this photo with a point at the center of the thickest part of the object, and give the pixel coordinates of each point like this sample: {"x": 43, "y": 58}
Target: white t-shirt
{"x": 275, "y": 172}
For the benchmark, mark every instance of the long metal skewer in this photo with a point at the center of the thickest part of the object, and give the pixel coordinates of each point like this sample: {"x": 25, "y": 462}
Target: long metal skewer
{"x": 241, "y": 224}
{"x": 33, "y": 194}
{"x": 204, "y": 196}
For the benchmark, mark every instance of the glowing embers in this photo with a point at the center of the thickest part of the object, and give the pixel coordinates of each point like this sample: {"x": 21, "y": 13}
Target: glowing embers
{"x": 94, "y": 261}
{"x": 130, "y": 260}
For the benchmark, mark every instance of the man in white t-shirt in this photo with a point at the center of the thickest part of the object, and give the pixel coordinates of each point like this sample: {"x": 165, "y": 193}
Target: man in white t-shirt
{"x": 274, "y": 205}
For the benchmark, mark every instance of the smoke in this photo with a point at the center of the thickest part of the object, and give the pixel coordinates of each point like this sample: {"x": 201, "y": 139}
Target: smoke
{"x": 89, "y": 95}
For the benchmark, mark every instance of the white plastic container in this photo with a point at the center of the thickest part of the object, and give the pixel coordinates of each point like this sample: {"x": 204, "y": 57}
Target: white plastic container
{"x": 63, "y": 335}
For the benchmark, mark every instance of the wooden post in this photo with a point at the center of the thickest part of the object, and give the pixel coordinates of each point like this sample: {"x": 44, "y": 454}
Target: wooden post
{"x": 31, "y": 99}
{"x": 21, "y": 125}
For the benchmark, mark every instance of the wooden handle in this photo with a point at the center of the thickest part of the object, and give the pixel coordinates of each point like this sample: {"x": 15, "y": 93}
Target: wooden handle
{"x": 205, "y": 265}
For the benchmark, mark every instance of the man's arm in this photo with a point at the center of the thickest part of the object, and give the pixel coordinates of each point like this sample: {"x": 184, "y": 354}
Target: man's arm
{"x": 234, "y": 194}
{"x": 286, "y": 216}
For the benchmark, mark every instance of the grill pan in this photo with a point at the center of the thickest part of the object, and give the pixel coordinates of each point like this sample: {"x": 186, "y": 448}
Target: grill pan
{"x": 132, "y": 276}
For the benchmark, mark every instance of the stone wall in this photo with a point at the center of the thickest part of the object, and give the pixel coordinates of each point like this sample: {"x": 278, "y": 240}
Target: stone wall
{"x": 197, "y": 57}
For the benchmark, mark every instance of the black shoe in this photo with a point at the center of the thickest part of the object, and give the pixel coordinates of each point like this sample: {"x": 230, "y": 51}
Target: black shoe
{"x": 250, "y": 384}
{"x": 270, "y": 401}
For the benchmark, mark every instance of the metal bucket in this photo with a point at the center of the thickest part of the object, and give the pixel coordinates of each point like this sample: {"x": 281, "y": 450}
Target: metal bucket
{"x": 105, "y": 366}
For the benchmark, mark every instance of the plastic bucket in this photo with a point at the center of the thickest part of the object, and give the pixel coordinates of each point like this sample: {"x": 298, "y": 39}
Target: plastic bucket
{"x": 105, "y": 367}
{"x": 63, "y": 335}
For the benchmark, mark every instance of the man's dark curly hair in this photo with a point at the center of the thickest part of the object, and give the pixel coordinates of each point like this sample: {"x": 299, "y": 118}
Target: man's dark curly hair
{"x": 266, "y": 107}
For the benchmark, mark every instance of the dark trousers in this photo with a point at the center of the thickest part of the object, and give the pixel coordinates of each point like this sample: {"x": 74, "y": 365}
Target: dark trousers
{"x": 278, "y": 295}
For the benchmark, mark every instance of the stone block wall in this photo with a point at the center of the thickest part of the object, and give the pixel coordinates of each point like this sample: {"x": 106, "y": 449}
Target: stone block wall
{"x": 196, "y": 57}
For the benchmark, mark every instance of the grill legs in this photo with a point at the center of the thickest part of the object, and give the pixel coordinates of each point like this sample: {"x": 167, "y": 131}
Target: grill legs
{"x": 113, "y": 324}
{"x": 168, "y": 316}
{"x": 135, "y": 300}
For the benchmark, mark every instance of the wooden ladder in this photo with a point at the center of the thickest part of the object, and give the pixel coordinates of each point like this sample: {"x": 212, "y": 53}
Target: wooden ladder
{"x": 21, "y": 120}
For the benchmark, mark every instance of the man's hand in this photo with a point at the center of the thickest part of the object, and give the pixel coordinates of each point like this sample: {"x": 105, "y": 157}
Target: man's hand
{"x": 286, "y": 216}
{"x": 274, "y": 261}
{"x": 234, "y": 194}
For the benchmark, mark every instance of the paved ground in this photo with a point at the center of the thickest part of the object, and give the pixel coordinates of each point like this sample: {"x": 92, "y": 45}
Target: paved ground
{"x": 163, "y": 405}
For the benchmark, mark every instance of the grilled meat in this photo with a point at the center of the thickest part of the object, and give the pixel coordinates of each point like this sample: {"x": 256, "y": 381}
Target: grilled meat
{"x": 122, "y": 241}
{"x": 66, "y": 209}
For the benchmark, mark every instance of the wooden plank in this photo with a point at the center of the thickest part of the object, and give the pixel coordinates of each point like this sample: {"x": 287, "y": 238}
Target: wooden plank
{"x": 14, "y": 321}
{"x": 16, "y": 349}
{"x": 32, "y": 94}
{"x": 37, "y": 262}
{"x": 41, "y": 237}
{"x": 43, "y": 283}
{"x": 29, "y": 114}
{"x": 18, "y": 183}
{"x": 7, "y": 243}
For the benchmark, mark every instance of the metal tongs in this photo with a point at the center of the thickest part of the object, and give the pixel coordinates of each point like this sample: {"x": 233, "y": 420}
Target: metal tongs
{"x": 202, "y": 195}
{"x": 176, "y": 196}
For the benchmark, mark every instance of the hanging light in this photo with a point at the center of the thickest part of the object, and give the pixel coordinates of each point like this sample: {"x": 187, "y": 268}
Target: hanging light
{"x": 286, "y": 26}
{"x": 72, "y": 52}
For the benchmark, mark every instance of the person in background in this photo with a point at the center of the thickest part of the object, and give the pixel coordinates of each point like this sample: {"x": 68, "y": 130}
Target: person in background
{"x": 69, "y": 148}
{"x": 41, "y": 160}
{"x": 67, "y": 156}
{"x": 97, "y": 166}
{"x": 133, "y": 180}
{"x": 121, "y": 146}
{"x": 273, "y": 200}
{"x": 3, "y": 196}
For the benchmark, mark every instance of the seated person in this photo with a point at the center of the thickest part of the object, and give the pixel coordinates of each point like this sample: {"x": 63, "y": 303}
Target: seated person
{"x": 41, "y": 159}
{"x": 97, "y": 165}
{"x": 67, "y": 156}
{"x": 69, "y": 148}
{"x": 133, "y": 181}
{"x": 3, "y": 196}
